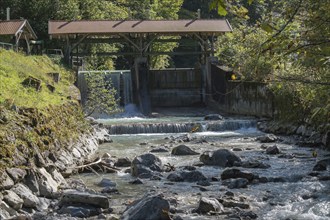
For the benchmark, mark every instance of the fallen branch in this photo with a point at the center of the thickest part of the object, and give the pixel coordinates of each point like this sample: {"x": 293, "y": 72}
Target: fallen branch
{"x": 89, "y": 164}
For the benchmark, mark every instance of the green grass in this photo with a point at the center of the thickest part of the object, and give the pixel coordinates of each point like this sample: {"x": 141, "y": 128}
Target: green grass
{"x": 15, "y": 67}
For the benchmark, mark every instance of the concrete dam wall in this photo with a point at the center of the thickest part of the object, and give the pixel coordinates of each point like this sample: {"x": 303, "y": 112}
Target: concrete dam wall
{"x": 176, "y": 87}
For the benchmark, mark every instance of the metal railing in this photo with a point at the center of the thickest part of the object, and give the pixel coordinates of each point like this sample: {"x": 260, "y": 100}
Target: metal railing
{"x": 6, "y": 46}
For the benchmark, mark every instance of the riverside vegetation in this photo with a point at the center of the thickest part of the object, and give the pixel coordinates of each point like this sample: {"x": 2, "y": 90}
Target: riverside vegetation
{"x": 43, "y": 133}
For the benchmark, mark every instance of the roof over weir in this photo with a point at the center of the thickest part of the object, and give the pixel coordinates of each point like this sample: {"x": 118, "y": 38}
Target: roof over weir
{"x": 166, "y": 27}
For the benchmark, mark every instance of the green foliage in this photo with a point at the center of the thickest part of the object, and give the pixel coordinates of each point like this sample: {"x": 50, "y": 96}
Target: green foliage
{"x": 287, "y": 45}
{"x": 27, "y": 131}
{"x": 101, "y": 97}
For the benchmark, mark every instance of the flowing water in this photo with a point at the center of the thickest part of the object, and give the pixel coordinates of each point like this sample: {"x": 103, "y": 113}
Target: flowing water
{"x": 295, "y": 196}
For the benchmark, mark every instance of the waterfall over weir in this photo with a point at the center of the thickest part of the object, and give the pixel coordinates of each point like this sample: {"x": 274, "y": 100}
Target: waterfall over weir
{"x": 120, "y": 79}
{"x": 179, "y": 127}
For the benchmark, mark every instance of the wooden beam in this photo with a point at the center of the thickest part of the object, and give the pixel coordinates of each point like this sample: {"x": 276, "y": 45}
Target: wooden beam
{"x": 149, "y": 53}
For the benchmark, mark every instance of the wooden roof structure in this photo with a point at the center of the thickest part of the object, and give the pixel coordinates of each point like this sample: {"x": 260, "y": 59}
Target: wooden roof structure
{"x": 166, "y": 27}
{"x": 17, "y": 28}
{"x": 138, "y": 34}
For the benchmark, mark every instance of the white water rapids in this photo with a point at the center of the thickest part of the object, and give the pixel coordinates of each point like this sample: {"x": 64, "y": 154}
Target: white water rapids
{"x": 297, "y": 196}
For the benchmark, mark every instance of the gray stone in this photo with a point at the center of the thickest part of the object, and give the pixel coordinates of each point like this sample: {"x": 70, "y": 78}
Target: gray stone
{"x": 123, "y": 162}
{"x": 238, "y": 183}
{"x": 254, "y": 164}
{"x": 236, "y": 173}
{"x": 31, "y": 181}
{"x": 148, "y": 208}
{"x": 175, "y": 177}
{"x": 30, "y": 200}
{"x": 136, "y": 182}
{"x": 183, "y": 150}
{"x": 268, "y": 138}
{"x": 43, "y": 204}
{"x": 12, "y": 199}
{"x": 5, "y": 181}
{"x": 186, "y": 176}
{"x": 222, "y": 158}
{"x": 206, "y": 205}
{"x": 213, "y": 117}
{"x": 203, "y": 183}
{"x": 146, "y": 163}
{"x": 272, "y": 150}
{"x": 6, "y": 210}
{"x": 231, "y": 204}
{"x": 110, "y": 190}
{"x": 322, "y": 165}
{"x": 73, "y": 196}
{"x": 192, "y": 176}
{"x": 105, "y": 182}
{"x": 83, "y": 211}
{"x": 57, "y": 176}
{"x": 47, "y": 185}
{"x": 4, "y": 214}
{"x": 16, "y": 174}
{"x": 326, "y": 140}
{"x": 159, "y": 150}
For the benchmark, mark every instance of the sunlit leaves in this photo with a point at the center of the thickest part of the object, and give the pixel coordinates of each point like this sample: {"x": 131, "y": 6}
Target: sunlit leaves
{"x": 266, "y": 27}
{"x": 220, "y": 6}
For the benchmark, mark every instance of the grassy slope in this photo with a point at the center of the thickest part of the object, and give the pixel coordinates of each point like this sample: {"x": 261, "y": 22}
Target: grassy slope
{"x": 15, "y": 67}
{"x": 42, "y": 121}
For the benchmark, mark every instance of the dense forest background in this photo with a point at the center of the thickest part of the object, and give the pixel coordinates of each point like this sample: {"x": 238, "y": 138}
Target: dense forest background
{"x": 283, "y": 43}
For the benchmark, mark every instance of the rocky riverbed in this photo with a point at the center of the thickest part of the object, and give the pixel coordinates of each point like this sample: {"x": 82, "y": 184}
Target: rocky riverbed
{"x": 241, "y": 173}
{"x": 230, "y": 174}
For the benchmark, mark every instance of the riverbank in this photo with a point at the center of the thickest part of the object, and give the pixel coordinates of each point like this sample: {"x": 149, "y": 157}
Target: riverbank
{"x": 43, "y": 134}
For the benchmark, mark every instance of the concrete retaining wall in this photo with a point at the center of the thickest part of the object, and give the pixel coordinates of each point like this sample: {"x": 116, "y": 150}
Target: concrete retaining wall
{"x": 238, "y": 97}
{"x": 247, "y": 98}
{"x": 175, "y": 87}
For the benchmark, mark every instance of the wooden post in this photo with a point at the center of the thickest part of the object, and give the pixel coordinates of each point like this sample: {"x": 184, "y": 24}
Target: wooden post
{"x": 67, "y": 54}
{"x": 141, "y": 85}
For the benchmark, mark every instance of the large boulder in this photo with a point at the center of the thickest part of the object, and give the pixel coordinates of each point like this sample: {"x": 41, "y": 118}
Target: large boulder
{"x": 146, "y": 164}
{"x": 206, "y": 205}
{"x": 222, "y": 158}
{"x": 148, "y": 208}
{"x": 73, "y": 197}
{"x": 183, "y": 150}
